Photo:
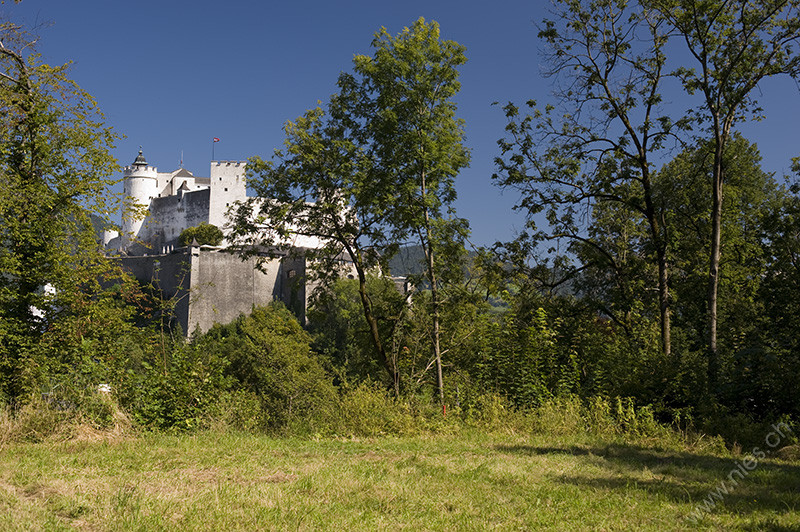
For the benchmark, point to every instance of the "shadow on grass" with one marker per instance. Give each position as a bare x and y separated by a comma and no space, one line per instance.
683,477
771,526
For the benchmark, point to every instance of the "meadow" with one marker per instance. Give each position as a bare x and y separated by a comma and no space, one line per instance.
462,479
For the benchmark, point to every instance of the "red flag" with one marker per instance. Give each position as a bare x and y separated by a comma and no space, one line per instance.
216,139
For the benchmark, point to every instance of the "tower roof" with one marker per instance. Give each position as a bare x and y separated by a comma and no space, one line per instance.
140,160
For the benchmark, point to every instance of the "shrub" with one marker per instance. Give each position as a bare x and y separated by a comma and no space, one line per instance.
368,410
269,355
174,387
65,413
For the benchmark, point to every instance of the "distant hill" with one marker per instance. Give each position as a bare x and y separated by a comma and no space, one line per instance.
409,260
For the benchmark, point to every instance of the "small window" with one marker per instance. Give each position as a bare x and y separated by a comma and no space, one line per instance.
290,274
226,190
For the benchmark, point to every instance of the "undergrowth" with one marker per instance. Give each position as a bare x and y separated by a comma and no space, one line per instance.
367,410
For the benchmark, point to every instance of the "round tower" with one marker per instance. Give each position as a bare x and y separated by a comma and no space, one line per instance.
139,187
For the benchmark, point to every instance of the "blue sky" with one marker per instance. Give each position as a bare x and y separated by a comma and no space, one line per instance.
171,75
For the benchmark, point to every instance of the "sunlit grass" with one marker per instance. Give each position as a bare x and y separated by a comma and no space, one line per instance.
466,481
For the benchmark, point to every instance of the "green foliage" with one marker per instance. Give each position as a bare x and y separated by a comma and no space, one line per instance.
341,333
368,410
684,186
589,158
734,47
409,117
55,164
205,234
599,416
173,387
269,355
374,167
522,361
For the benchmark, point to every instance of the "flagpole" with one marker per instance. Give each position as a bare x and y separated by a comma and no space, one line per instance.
212,149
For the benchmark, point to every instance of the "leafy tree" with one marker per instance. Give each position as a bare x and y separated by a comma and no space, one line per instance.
735,45
324,186
54,172
599,152
406,109
758,382
377,165
205,234
685,200
336,322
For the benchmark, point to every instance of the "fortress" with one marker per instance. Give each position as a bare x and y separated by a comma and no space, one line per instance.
208,284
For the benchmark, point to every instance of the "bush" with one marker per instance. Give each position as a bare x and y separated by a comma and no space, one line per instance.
269,355
65,414
368,410
237,410
174,386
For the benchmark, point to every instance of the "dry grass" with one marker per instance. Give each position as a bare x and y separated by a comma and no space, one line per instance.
38,421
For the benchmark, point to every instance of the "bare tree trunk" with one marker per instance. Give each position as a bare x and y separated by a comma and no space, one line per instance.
659,240
663,303
428,247
372,322
437,353
713,267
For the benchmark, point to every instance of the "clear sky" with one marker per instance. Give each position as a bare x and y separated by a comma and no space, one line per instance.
172,75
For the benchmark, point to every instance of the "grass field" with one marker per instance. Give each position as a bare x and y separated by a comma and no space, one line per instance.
470,480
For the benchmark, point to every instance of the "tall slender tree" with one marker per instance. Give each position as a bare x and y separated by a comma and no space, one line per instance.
373,170
324,186
409,115
735,45
609,61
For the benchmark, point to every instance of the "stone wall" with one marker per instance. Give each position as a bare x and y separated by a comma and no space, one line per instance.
210,286
171,274
170,215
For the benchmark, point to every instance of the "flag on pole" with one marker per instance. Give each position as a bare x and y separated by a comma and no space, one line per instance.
216,139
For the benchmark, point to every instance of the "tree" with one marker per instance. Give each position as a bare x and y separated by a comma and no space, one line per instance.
685,199
54,172
324,187
375,166
735,46
336,322
205,234
406,110
603,148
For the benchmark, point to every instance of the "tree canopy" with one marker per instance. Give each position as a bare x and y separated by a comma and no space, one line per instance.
55,170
